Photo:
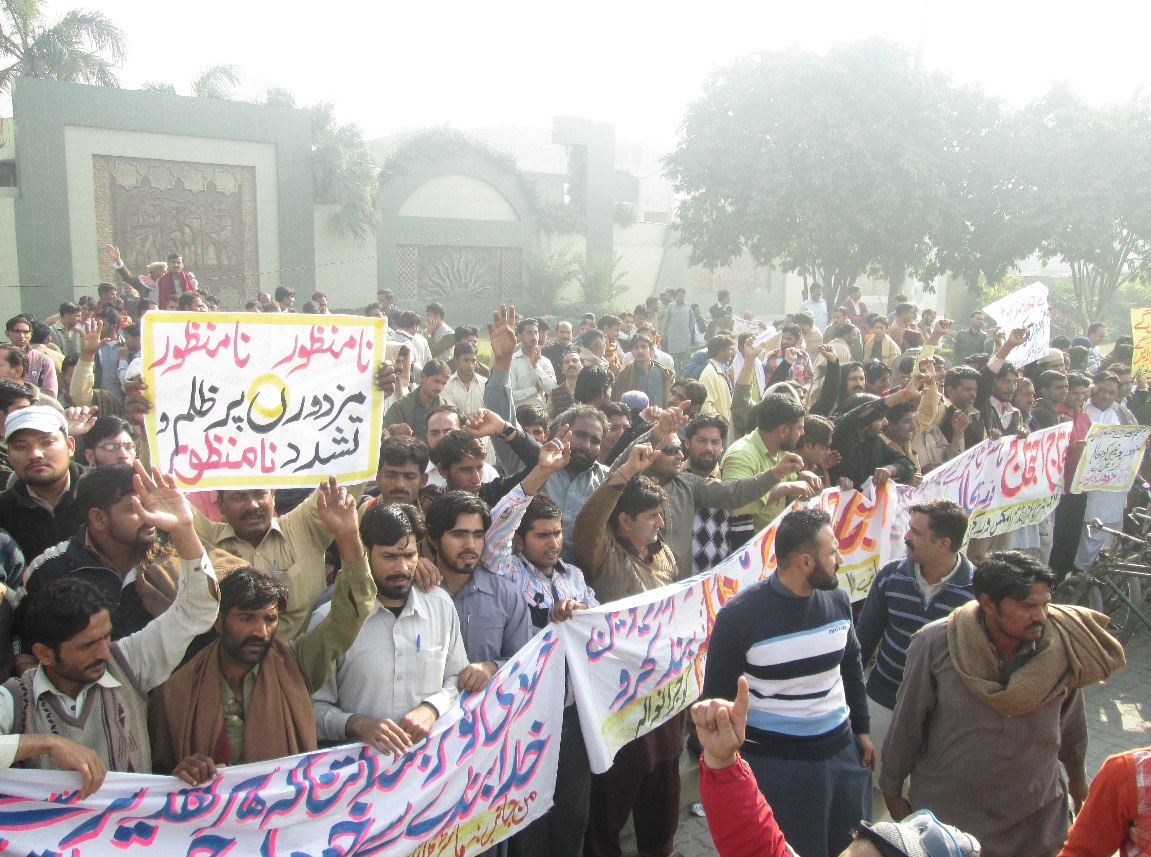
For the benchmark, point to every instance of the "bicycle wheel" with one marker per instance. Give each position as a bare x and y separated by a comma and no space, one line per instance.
1075,589
1109,599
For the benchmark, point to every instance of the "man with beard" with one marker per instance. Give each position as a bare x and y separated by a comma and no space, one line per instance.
401,673
115,551
571,486
494,618
689,494
989,722
791,637
198,718
290,548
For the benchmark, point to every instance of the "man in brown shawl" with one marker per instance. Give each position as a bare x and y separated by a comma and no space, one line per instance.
991,703
198,717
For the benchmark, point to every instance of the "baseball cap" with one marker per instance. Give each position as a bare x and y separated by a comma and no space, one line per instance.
38,417
921,834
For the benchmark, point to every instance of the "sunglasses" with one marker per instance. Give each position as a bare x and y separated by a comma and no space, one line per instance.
672,449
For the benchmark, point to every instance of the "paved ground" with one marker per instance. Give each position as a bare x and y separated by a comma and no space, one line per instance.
1118,717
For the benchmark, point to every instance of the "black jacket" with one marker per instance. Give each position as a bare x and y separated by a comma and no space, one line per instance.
73,559
36,528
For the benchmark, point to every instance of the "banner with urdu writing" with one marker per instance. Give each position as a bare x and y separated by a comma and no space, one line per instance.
487,770
244,400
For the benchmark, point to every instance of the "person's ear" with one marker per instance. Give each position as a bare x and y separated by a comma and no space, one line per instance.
97,520
44,654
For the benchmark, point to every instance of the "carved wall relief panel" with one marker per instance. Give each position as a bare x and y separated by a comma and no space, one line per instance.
204,212
438,273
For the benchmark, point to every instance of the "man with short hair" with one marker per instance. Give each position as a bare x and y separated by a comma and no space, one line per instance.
594,348
404,327
997,382
856,309
193,301
609,325
412,409
676,328
532,375
778,425
1051,389
618,545
441,338
401,673
903,329
320,300
40,509
563,396
959,419
89,689
465,388
716,376
791,351
459,460
688,395
973,340
554,351
108,442
199,716
403,471
571,486
290,547
174,281
931,581
991,703
41,371
1097,335
66,331
791,638
645,375
494,619
286,297
816,306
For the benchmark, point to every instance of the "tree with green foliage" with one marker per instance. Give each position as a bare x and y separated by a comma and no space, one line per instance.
82,47
218,81
548,271
833,167
1081,176
344,174
600,281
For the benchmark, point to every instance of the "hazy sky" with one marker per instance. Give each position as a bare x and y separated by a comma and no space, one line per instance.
391,66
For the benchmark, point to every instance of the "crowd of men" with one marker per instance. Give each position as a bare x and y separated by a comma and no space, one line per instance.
144,628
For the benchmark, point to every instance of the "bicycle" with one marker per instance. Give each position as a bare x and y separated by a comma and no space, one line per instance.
1113,584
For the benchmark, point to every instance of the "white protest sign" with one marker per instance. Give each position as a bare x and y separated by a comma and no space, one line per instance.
486,771
243,400
1002,484
1030,308
1111,459
748,325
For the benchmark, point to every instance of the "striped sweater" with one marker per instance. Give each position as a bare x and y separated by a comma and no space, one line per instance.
895,609
801,660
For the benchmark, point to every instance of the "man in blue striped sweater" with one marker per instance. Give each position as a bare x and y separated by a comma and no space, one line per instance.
927,584
808,739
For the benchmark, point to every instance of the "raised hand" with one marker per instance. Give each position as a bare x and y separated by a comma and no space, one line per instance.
136,401
484,423
959,422
336,509
790,355
1018,336
80,420
638,460
750,350
940,330
790,463
828,354
534,353
831,458
556,453
386,378
92,338
721,726
399,430
159,502
669,422
502,333
113,253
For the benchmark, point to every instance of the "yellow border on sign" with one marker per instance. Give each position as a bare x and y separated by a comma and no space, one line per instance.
378,326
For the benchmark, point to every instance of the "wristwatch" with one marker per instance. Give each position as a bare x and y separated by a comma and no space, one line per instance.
508,432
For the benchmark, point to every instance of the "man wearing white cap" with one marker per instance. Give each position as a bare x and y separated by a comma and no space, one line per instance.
39,510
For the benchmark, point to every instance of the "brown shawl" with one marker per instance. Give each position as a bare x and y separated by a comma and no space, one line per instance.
186,714
1074,651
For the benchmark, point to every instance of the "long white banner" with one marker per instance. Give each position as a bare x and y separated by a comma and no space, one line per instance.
487,769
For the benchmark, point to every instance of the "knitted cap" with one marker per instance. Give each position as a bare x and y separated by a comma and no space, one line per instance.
919,835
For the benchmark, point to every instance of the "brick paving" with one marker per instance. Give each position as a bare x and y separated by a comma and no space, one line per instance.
1118,719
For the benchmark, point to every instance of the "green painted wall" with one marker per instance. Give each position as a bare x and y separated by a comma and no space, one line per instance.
45,110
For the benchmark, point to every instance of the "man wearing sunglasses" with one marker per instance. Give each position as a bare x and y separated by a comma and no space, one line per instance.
686,491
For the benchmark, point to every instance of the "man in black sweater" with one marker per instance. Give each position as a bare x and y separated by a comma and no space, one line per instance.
39,510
